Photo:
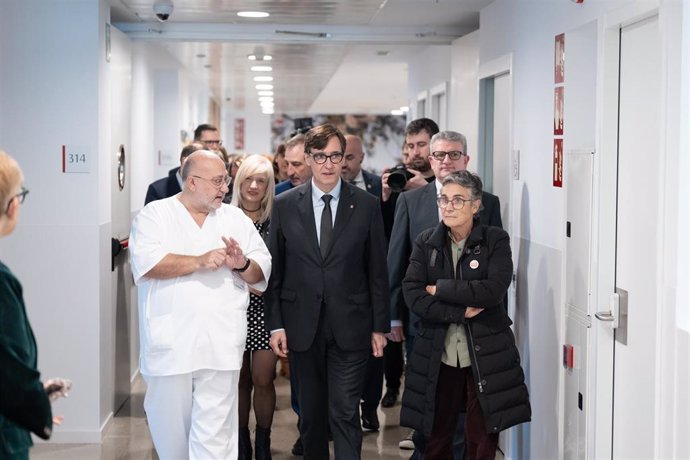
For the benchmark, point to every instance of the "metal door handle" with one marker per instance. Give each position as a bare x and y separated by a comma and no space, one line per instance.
610,316
604,316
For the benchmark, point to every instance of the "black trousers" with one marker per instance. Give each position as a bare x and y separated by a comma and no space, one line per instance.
373,382
393,364
329,391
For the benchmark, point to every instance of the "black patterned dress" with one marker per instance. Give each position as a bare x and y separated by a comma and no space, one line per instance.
258,336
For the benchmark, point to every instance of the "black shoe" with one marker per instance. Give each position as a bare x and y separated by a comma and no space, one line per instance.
244,448
370,420
389,398
298,448
263,443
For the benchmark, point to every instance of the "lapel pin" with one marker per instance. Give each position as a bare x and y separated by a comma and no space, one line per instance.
352,206
474,264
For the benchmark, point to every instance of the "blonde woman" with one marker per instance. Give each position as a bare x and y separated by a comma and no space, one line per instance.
253,193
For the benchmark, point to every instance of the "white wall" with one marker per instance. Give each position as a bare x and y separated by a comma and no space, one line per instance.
463,104
430,68
54,86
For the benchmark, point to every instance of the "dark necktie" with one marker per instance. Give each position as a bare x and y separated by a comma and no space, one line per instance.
326,225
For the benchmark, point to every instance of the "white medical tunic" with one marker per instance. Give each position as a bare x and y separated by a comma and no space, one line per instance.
196,321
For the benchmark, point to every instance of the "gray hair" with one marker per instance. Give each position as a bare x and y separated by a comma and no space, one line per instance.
450,136
468,180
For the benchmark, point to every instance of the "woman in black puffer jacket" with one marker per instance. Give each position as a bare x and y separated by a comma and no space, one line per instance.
464,353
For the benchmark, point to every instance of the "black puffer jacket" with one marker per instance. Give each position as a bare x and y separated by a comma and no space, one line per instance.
483,275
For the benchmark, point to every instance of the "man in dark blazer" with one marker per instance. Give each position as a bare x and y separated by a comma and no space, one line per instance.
416,210
171,185
298,170
326,301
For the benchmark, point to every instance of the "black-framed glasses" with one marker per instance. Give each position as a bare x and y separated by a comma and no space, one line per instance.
440,155
218,142
21,195
217,181
321,157
458,202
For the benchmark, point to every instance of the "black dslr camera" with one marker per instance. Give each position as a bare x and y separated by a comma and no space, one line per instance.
399,175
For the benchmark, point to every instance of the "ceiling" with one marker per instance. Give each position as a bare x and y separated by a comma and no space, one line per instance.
329,56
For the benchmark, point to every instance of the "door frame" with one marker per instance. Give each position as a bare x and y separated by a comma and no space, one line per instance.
488,71
600,443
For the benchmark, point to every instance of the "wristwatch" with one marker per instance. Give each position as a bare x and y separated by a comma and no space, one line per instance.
245,267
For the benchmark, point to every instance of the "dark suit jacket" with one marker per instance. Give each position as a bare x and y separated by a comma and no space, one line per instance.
349,286
283,186
416,211
163,188
372,183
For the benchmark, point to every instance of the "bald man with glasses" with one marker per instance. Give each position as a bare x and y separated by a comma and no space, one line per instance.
194,259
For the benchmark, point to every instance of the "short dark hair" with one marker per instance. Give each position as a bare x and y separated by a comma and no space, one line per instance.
201,128
318,137
472,182
422,124
189,149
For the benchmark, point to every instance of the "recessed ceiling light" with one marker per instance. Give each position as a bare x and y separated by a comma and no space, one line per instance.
266,104
208,66
265,93
268,112
404,109
201,55
266,99
396,112
252,14
261,68
263,78
264,86
260,57
383,53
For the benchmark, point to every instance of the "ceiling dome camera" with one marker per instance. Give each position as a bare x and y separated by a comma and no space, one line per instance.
163,9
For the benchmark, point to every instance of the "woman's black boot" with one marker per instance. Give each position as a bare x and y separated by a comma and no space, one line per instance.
244,448
263,443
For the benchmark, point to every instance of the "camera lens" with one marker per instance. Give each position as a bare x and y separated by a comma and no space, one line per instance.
397,180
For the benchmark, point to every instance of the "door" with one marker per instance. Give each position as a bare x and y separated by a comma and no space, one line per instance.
638,205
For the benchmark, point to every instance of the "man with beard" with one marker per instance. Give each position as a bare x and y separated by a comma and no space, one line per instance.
416,158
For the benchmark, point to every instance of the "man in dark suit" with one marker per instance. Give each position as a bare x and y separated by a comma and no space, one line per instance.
352,167
373,380
298,170
326,301
416,211
171,185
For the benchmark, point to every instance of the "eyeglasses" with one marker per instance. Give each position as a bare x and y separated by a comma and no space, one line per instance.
218,142
321,157
458,202
217,181
21,195
440,155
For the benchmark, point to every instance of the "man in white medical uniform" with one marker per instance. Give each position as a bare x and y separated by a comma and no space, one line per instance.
194,259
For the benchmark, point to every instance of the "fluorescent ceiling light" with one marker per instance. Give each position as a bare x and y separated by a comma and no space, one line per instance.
260,57
396,112
266,99
264,86
263,78
262,68
268,112
265,93
266,104
252,14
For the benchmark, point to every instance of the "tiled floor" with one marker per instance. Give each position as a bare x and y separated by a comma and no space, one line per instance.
127,436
